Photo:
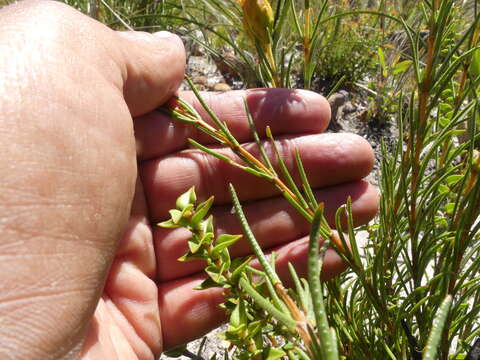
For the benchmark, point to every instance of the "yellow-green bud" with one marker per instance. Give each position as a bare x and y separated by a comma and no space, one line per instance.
257,19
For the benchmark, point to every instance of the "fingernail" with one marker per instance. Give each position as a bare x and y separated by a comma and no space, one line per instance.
163,34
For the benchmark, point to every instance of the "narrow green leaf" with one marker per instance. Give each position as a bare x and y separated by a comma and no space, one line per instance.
240,268
306,184
438,324
389,351
252,270
314,267
284,169
254,132
216,273
401,67
211,152
449,208
274,354
176,352
475,64
301,210
223,242
201,211
206,238
254,330
227,238
296,19
443,189
176,215
206,226
302,294
351,233
338,224
194,246
302,354
258,173
381,61
267,306
279,304
418,304
238,315
208,283
335,87
168,224
257,250
189,256
453,179
221,125
309,303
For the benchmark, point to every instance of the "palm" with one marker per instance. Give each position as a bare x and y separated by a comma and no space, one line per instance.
127,319
148,303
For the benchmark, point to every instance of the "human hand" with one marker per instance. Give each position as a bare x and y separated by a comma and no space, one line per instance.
75,281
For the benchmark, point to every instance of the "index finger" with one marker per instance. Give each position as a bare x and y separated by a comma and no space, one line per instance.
286,111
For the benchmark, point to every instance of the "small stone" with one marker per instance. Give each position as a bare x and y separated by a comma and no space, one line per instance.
221,87
200,80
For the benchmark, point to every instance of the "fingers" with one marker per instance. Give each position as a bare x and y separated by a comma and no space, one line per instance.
154,66
328,159
188,314
273,221
286,111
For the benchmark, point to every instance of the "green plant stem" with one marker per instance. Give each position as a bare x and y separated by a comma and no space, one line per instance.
273,66
438,324
297,314
416,145
462,227
184,112
251,238
315,261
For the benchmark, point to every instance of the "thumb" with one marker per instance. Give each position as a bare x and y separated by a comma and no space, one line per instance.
154,66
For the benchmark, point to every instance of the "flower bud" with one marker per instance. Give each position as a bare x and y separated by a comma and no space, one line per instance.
257,19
